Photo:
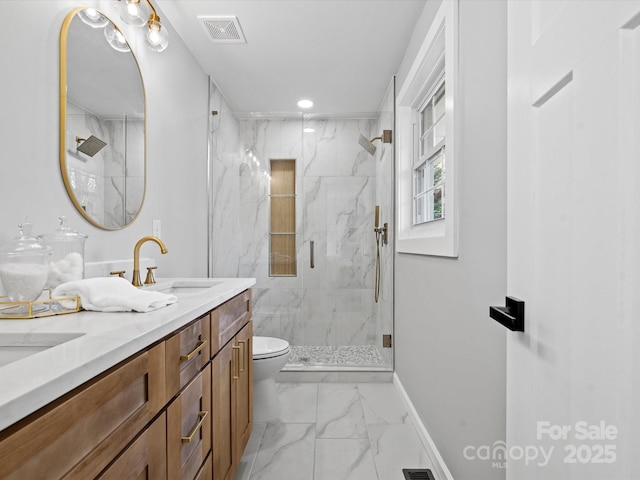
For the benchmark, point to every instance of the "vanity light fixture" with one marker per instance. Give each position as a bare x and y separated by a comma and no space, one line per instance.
140,13
157,38
133,12
93,18
116,38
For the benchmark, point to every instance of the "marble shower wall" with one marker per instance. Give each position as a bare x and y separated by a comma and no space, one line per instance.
331,304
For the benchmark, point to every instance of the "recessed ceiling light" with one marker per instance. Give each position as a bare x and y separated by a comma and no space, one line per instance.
308,130
304,103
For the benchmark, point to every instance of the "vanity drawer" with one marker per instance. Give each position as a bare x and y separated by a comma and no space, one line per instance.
189,428
187,352
79,434
228,319
145,458
206,472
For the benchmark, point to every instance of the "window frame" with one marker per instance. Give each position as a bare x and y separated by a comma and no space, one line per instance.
437,54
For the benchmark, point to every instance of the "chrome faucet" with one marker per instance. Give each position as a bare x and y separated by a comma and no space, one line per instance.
136,257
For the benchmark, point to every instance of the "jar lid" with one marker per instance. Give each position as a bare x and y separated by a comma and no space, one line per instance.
26,243
65,233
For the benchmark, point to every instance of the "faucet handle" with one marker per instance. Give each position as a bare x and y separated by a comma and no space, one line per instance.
119,273
150,279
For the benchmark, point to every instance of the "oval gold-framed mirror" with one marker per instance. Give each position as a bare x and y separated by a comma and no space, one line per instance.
102,120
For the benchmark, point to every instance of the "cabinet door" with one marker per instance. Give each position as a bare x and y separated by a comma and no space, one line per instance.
189,428
223,368
78,435
145,458
244,387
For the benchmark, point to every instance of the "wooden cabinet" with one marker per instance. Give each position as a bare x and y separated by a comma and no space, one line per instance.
232,381
181,409
78,435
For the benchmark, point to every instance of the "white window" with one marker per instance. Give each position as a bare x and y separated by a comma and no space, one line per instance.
426,125
429,165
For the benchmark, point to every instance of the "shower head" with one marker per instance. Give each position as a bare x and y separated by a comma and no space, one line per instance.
368,144
89,146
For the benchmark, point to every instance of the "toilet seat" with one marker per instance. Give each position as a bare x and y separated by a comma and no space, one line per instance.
269,347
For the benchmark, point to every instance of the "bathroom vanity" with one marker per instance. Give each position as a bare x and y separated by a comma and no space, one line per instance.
167,394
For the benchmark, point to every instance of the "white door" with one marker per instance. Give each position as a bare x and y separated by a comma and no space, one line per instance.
573,376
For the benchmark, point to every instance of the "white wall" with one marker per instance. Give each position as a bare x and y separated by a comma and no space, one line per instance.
450,356
30,182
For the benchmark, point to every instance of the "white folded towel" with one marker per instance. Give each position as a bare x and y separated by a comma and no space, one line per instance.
113,294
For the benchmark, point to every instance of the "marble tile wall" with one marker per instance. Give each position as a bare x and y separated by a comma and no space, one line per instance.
331,304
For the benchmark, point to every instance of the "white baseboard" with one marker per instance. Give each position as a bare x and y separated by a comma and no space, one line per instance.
441,470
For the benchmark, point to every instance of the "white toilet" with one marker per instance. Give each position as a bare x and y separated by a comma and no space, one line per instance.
269,356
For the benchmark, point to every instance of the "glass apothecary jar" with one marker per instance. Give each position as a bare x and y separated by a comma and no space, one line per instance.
67,255
24,266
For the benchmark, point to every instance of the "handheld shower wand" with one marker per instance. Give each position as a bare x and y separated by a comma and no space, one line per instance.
382,238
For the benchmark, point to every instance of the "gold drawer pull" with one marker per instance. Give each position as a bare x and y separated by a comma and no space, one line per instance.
241,355
235,348
200,345
192,433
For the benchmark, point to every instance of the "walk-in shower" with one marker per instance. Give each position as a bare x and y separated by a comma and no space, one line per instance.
315,214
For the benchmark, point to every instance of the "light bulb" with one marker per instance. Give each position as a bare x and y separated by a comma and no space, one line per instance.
93,18
157,38
116,39
133,12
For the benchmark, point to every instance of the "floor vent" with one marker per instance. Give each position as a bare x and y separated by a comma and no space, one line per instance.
417,474
223,29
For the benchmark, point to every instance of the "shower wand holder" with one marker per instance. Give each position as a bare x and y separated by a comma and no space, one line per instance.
384,231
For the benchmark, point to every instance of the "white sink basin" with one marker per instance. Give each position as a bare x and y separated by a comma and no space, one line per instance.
191,286
15,346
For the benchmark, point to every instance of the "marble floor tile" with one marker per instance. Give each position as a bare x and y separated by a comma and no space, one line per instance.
286,451
394,447
322,435
250,452
340,411
344,459
381,403
298,402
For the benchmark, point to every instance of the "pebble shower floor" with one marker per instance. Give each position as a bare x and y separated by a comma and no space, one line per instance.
343,356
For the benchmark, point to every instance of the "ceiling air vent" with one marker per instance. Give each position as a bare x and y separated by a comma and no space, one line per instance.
223,29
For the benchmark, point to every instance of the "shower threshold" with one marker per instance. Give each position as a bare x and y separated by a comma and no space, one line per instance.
356,357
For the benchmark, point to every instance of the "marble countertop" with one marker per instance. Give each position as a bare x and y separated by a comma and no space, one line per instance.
101,341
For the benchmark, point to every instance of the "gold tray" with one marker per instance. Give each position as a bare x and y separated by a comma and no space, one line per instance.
45,307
